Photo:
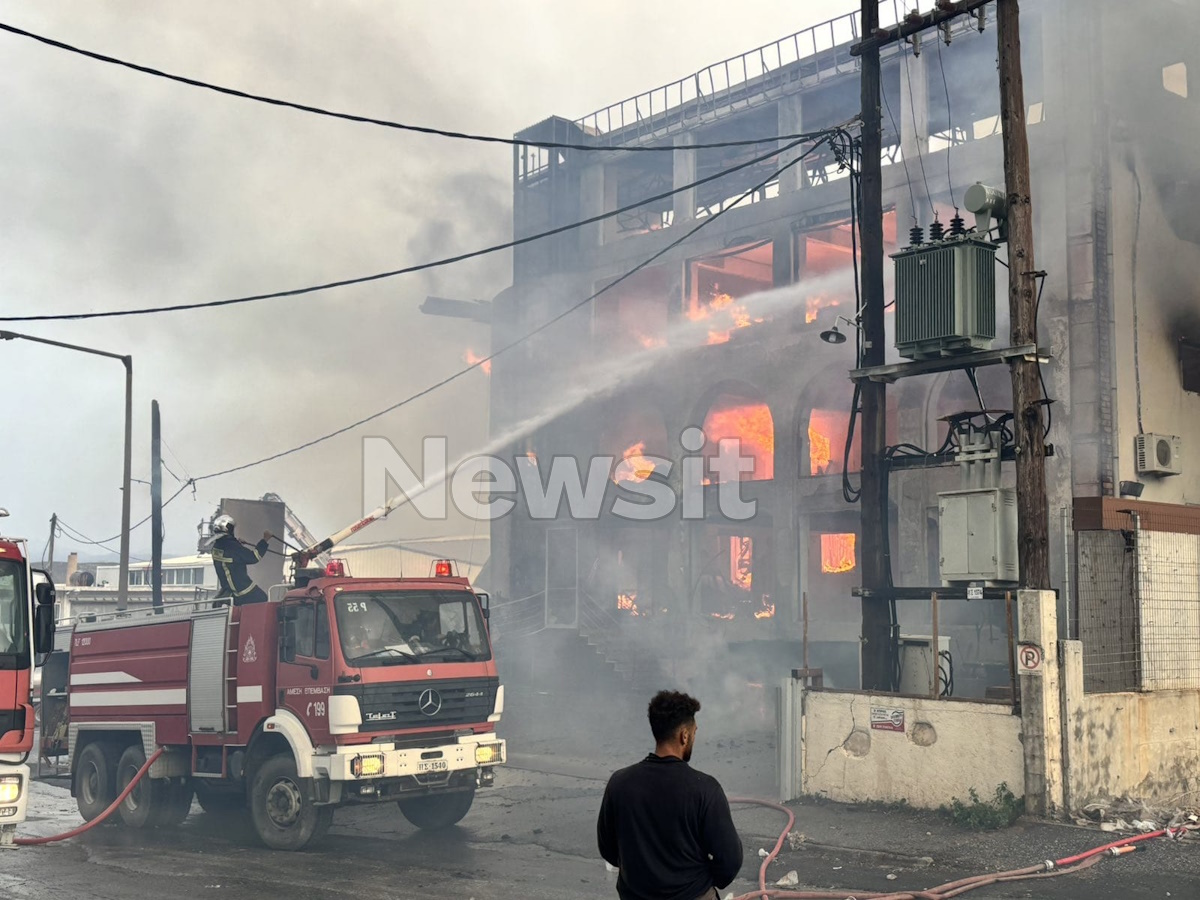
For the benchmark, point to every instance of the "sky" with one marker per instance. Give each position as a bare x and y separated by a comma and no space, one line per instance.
120,190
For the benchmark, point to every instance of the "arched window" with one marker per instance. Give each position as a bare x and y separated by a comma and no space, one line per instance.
746,418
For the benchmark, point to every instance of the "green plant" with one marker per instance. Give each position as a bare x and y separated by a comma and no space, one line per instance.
1000,812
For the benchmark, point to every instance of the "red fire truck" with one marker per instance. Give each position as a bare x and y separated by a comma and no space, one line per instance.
25,628
339,690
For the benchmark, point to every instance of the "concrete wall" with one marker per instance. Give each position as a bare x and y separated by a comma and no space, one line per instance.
946,748
1144,746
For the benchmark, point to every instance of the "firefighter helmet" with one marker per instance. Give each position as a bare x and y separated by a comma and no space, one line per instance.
223,525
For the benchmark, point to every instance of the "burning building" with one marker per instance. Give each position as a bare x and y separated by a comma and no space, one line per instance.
723,332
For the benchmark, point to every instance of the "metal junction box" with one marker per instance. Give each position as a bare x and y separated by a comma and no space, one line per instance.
945,297
977,533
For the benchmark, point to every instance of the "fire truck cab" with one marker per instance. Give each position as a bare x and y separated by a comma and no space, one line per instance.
26,628
337,691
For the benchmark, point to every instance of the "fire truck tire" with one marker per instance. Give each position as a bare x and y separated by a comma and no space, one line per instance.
435,811
177,803
218,801
284,815
95,778
148,803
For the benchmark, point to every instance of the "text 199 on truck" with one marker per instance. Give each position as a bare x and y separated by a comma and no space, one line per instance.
26,628
337,691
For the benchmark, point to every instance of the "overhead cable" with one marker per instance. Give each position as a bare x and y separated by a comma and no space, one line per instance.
424,392
384,123
419,267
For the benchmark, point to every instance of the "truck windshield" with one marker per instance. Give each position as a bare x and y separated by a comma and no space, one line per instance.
392,628
14,612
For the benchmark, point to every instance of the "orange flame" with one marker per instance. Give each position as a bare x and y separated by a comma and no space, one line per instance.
766,612
651,343
634,466
529,454
814,305
753,424
725,617
628,603
735,315
837,553
472,358
826,441
819,451
741,562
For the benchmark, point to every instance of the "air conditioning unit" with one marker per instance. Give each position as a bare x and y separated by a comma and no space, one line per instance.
1158,454
977,533
945,297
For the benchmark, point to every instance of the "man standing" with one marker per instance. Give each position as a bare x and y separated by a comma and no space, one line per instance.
230,558
664,825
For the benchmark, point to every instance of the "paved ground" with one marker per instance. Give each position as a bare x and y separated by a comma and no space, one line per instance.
532,837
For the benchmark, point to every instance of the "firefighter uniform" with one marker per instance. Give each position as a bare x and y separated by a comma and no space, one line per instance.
230,558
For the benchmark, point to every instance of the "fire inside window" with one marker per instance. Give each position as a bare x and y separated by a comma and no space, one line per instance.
634,466
741,562
837,553
718,284
752,424
827,442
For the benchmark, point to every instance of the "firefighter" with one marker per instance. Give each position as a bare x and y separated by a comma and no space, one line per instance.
230,558
665,826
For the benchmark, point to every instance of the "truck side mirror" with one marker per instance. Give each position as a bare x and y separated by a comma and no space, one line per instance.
43,624
485,601
45,594
287,641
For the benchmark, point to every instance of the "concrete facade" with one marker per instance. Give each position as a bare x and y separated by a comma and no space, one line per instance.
1144,746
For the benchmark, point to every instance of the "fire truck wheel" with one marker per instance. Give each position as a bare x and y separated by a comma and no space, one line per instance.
148,801
177,803
95,772
284,817
435,811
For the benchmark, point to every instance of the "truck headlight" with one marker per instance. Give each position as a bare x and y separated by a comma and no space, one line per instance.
366,766
486,754
10,788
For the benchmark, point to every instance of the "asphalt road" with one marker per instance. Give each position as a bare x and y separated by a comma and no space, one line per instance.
532,837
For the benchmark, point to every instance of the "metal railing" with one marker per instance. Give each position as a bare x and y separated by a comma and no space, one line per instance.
818,52
523,617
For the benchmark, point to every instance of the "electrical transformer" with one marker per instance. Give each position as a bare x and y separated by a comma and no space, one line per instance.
945,295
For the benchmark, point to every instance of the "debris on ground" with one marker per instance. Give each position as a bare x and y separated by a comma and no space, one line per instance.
791,879
795,840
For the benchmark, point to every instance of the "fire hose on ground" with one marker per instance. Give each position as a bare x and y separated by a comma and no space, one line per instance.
112,808
1049,869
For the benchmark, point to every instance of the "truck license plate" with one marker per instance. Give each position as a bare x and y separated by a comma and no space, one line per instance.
433,765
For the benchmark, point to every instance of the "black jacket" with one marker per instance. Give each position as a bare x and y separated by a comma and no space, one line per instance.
230,558
668,829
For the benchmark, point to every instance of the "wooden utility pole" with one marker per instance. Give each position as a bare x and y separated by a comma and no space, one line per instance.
1032,513
873,506
156,504
50,546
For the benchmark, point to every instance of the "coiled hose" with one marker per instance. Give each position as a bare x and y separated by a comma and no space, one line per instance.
112,808
1049,869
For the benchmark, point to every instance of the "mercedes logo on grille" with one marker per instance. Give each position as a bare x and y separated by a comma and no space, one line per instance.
430,702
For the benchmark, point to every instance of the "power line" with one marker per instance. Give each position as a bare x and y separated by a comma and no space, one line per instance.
912,104
949,126
369,120
912,195
420,267
101,543
424,392
84,539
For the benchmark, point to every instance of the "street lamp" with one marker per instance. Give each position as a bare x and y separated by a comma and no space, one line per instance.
127,361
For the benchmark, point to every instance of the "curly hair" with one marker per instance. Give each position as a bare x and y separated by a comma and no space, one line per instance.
669,710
